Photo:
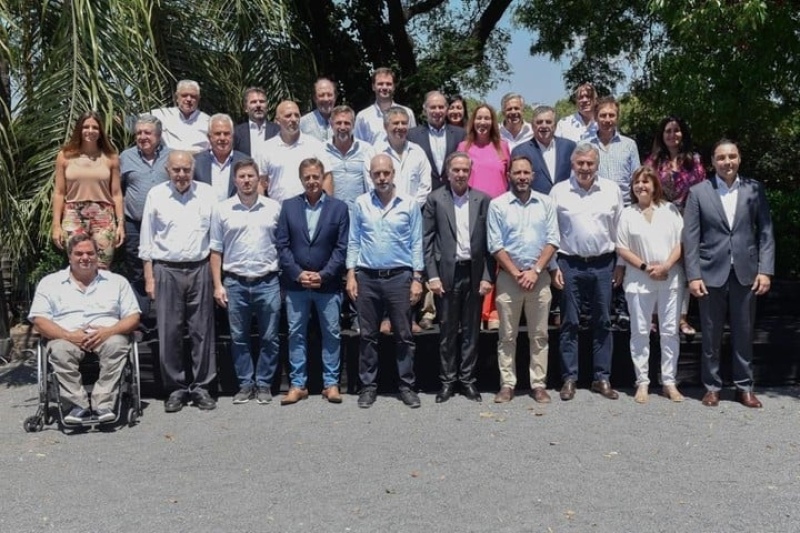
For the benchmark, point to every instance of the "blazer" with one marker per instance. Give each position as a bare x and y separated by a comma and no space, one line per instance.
452,136
439,237
542,180
241,135
324,252
202,168
709,242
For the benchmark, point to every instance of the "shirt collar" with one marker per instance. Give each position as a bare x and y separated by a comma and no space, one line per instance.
191,118
156,154
721,183
573,181
319,202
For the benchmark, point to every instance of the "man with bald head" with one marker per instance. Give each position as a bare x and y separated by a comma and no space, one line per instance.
184,126
215,165
437,138
384,276
174,246
317,123
279,158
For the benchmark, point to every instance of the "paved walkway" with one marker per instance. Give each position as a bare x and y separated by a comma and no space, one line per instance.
590,465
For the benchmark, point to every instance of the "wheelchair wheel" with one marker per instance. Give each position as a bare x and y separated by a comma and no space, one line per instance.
33,424
133,416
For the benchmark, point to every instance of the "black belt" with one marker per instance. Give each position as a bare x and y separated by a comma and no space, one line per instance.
589,259
181,264
251,279
464,263
384,272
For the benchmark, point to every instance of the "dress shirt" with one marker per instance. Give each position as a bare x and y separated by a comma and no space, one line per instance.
245,236
181,133
412,170
221,176
618,160
573,128
653,243
385,237
369,123
174,225
461,205
281,163
257,135
138,176
521,229
524,135
587,220
549,156
312,214
105,301
316,125
350,171
438,141
729,197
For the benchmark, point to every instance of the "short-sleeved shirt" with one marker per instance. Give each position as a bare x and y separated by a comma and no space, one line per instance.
245,236
280,162
139,176
182,133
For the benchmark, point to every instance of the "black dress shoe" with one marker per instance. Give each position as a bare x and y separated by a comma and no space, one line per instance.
367,397
470,392
410,398
203,400
445,394
175,402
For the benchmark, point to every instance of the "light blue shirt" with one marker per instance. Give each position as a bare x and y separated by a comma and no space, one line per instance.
312,213
522,229
139,176
316,125
350,171
385,237
618,160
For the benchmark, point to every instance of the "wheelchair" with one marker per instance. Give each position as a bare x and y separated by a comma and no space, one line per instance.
128,400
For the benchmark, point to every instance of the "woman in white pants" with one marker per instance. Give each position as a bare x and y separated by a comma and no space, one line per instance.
649,240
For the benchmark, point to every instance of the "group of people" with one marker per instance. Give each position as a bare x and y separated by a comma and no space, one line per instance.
481,219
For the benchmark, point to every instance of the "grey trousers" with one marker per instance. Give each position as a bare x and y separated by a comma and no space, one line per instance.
185,296
65,358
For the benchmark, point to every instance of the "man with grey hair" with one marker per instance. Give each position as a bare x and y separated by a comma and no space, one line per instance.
142,166
250,135
369,121
184,126
549,155
438,138
514,130
215,166
588,209
317,122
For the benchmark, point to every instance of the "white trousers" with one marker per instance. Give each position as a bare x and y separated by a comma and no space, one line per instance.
667,303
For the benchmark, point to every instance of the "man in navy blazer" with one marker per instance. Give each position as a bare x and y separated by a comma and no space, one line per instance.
549,155
215,166
438,139
729,256
312,247
257,125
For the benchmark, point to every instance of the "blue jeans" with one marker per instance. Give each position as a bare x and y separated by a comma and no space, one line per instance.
298,307
245,299
590,280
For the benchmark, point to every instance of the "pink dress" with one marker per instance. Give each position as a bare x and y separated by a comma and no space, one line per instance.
489,172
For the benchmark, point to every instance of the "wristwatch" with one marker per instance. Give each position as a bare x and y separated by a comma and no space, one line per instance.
537,269
417,278
643,267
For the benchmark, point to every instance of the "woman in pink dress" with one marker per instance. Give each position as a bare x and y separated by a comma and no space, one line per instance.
87,196
490,157
678,168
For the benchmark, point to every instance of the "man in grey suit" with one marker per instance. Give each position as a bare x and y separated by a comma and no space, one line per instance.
459,270
437,138
215,166
729,254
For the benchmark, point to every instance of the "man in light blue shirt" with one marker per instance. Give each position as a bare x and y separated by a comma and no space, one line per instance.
619,156
350,158
317,123
522,236
384,275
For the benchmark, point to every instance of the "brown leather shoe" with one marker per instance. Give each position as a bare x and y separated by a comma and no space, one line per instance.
294,395
567,390
539,395
603,388
505,395
332,394
748,399
711,398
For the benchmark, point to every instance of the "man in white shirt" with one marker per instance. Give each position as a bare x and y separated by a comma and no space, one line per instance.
174,246
184,127
317,123
588,209
244,269
514,130
580,126
369,121
280,157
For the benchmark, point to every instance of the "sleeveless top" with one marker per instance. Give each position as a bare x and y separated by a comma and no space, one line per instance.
88,180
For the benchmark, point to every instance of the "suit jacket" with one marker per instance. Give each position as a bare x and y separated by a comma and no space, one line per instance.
709,242
439,237
202,168
324,252
452,135
241,135
542,180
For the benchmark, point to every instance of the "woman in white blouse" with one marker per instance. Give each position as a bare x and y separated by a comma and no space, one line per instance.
649,240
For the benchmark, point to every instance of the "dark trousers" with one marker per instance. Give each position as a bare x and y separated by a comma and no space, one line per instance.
379,297
185,296
459,308
741,301
592,281
134,266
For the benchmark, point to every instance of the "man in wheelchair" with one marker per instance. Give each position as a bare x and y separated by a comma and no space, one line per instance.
83,310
